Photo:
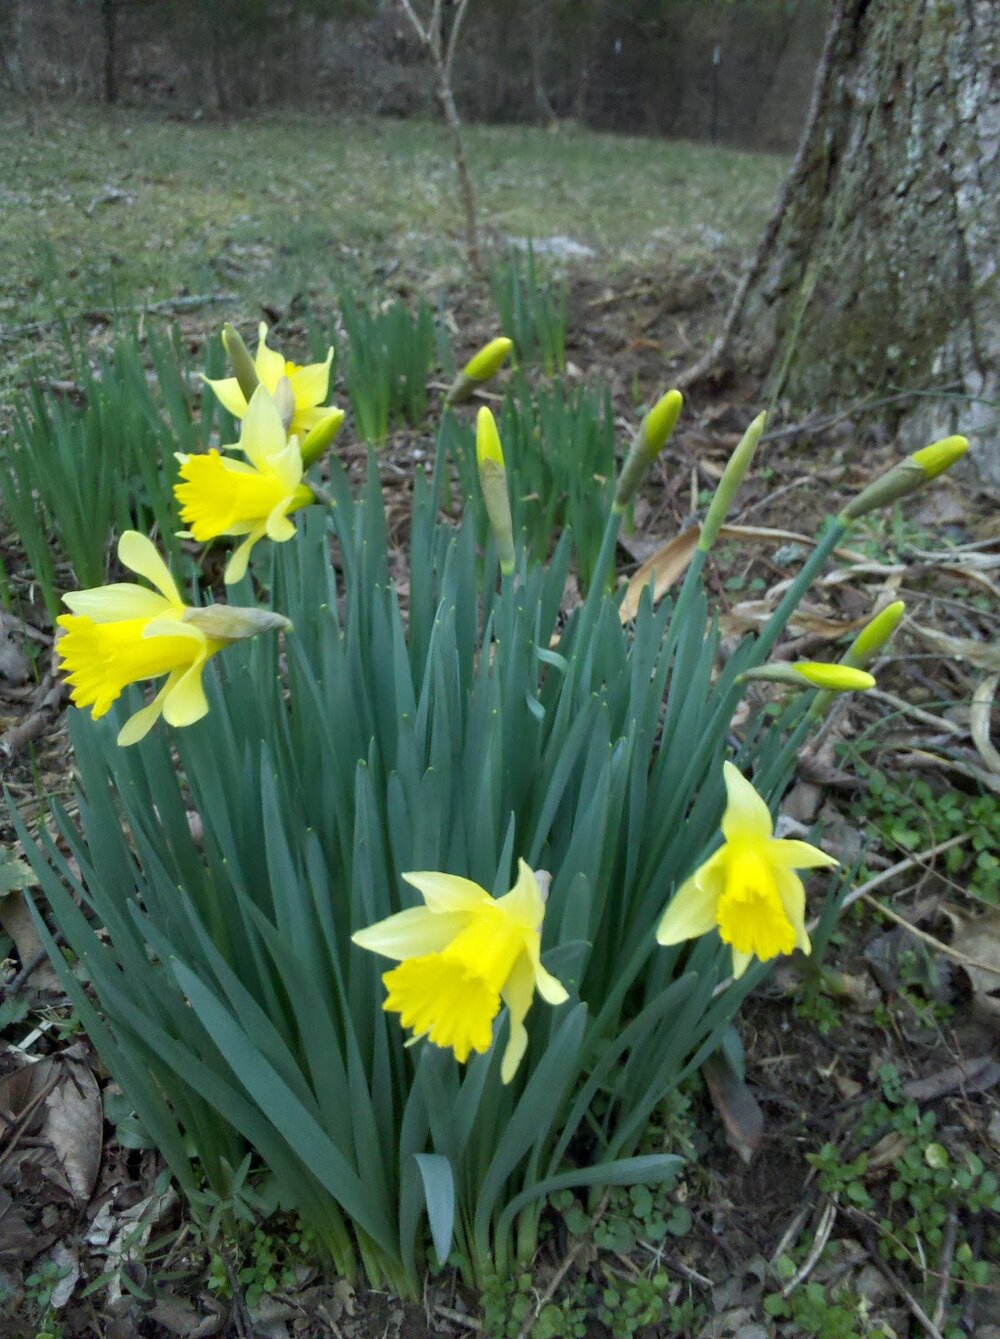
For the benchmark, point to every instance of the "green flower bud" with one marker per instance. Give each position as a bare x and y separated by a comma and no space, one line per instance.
728,485
242,364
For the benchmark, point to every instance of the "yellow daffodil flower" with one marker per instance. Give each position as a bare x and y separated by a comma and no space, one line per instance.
125,633
748,889
222,496
309,386
460,955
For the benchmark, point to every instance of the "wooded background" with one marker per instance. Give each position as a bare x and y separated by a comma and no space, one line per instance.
738,71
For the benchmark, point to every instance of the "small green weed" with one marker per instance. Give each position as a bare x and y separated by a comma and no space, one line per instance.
908,1183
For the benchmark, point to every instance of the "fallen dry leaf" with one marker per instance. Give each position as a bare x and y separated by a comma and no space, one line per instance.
977,939
736,1104
979,721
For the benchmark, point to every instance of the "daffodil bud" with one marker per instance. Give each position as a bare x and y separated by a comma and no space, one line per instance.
317,441
655,431
813,674
728,485
863,650
232,623
493,481
907,477
874,635
481,367
242,364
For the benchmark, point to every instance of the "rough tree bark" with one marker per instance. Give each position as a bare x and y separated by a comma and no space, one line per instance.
878,271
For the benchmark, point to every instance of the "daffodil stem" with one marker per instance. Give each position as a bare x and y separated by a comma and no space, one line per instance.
835,532
603,570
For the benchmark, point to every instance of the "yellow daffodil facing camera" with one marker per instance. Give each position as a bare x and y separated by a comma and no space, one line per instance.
125,633
309,385
748,889
460,955
222,496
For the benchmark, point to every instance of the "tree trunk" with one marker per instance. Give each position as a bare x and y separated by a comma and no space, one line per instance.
878,273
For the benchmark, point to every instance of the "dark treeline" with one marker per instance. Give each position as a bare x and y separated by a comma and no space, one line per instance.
735,70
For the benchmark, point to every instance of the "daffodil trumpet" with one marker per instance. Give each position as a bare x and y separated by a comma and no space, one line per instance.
126,633
222,496
307,385
748,889
462,955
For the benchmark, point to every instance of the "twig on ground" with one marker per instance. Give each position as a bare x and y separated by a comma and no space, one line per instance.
918,713
929,939
948,1239
823,1230
871,1246
16,983
920,861
571,1258
460,1318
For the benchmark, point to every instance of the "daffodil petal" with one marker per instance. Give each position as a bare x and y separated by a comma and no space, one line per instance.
747,817
263,435
279,527
447,892
549,987
517,994
112,604
411,933
139,725
524,901
786,854
793,899
269,363
139,555
169,625
239,559
228,393
186,703
741,961
690,913
287,465
311,383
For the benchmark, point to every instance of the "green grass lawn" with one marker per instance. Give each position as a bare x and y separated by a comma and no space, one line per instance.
99,208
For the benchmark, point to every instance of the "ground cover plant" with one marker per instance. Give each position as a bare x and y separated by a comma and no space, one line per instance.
480,739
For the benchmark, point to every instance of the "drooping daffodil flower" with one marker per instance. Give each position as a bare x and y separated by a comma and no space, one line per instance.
309,386
222,496
126,633
461,955
748,889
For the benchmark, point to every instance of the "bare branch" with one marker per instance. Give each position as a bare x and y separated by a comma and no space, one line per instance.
411,14
453,38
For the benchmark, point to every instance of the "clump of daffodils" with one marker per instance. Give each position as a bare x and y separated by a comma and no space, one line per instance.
474,732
